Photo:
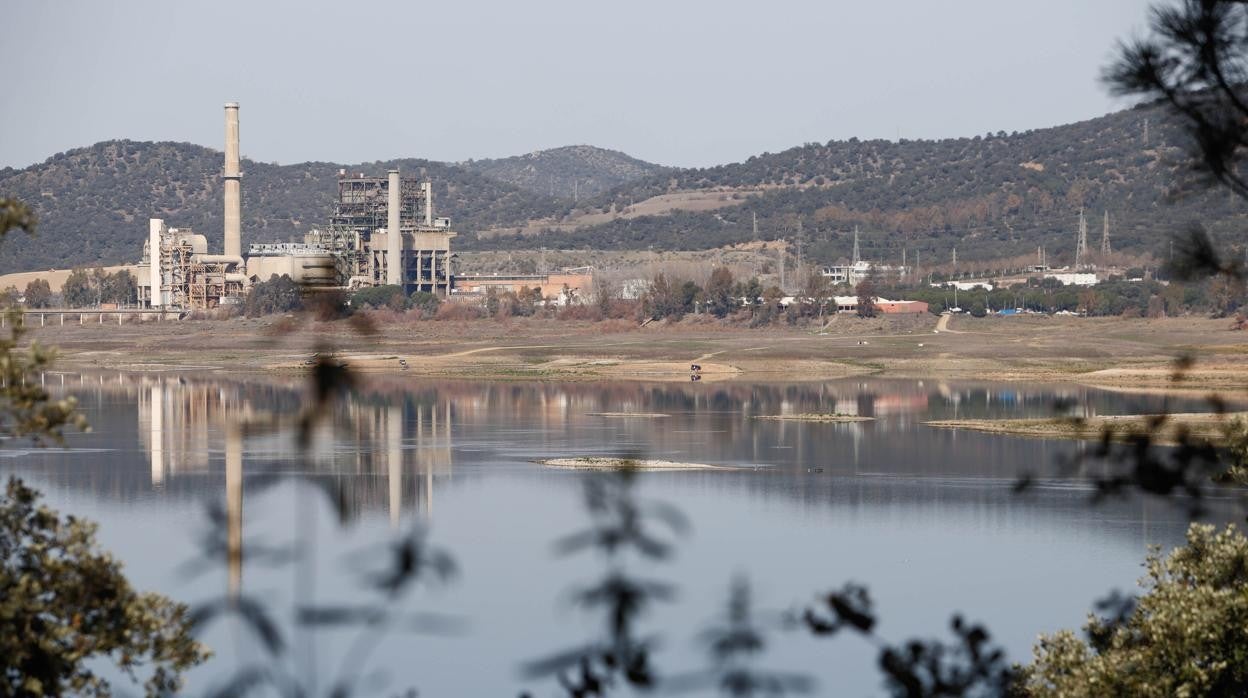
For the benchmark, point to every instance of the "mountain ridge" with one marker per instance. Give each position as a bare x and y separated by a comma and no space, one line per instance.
569,172
998,195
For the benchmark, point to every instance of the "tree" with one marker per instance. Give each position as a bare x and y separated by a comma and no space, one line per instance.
719,298
425,302
38,294
380,296
1186,636
866,298
280,294
9,297
1156,307
1225,295
663,299
492,302
817,291
119,287
67,605
606,292
99,282
690,296
77,291
1194,63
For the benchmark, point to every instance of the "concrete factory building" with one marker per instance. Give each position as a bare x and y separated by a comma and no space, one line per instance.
566,287
382,231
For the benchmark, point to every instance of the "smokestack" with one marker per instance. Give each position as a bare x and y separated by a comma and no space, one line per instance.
154,228
233,184
394,243
428,187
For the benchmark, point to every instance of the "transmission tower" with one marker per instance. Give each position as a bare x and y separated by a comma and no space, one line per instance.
755,226
799,246
782,249
1105,238
1081,247
857,257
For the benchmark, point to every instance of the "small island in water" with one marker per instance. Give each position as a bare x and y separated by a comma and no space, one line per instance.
641,465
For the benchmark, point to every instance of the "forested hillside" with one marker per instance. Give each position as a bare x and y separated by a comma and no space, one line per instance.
93,203
993,196
571,173
988,196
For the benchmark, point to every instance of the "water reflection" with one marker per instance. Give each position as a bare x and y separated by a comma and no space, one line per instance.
408,433
925,516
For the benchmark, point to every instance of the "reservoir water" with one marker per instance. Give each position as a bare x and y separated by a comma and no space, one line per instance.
926,518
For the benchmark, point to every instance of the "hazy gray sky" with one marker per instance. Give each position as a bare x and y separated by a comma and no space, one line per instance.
679,83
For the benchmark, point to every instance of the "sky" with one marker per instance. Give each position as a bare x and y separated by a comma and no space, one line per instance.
682,83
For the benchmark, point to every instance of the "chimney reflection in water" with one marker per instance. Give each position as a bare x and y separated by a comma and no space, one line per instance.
234,505
394,460
156,407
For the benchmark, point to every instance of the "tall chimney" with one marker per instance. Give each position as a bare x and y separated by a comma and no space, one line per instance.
233,184
394,241
155,227
428,187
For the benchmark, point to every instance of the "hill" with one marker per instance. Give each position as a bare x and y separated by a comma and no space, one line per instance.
569,173
993,196
93,203
990,196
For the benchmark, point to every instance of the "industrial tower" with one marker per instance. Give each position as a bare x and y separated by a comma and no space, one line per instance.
1105,238
1081,247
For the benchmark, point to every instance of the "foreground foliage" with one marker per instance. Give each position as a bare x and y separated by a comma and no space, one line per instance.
66,603
26,409
1187,636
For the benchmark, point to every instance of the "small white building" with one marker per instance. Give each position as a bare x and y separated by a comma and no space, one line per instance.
1074,278
855,273
965,285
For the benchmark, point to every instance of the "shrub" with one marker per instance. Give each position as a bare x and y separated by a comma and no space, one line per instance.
280,294
580,312
379,297
424,302
1187,636
458,311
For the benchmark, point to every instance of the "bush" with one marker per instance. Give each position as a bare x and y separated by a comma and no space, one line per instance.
1187,636
380,297
580,312
424,302
458,311
280,294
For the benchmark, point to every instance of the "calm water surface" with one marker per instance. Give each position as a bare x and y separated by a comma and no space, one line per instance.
925,517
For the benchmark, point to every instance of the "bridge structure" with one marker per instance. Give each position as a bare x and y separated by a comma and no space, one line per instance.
57,315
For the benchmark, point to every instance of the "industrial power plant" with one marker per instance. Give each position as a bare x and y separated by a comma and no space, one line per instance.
381,231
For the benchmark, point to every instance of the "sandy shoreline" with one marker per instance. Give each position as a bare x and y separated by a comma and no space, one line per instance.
820,418
1121,427
1127,354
